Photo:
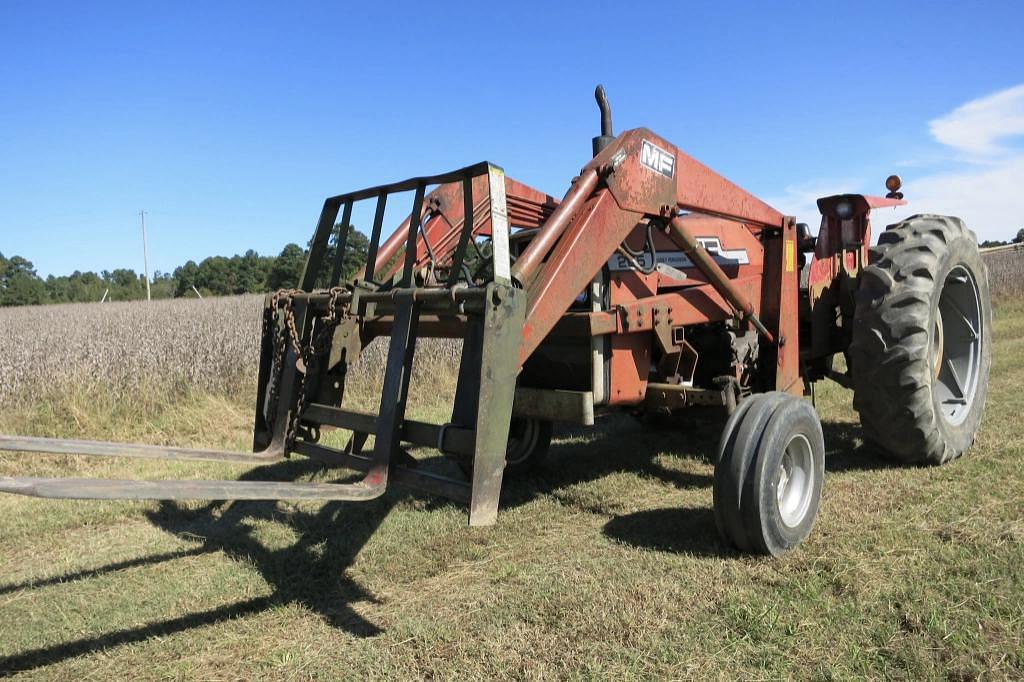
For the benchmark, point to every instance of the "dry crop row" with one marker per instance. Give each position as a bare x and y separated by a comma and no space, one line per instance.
210,345
163,346
1006,272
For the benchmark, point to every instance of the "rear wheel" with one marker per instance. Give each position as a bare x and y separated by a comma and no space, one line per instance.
528,442
921,347
769,474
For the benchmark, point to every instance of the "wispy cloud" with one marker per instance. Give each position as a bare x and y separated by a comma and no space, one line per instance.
980,126
985,187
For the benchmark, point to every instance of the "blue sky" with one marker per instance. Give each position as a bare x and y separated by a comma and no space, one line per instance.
229,123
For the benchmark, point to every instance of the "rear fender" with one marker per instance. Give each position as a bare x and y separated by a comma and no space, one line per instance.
840,253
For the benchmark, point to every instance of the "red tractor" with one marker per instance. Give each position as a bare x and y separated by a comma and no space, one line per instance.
653,285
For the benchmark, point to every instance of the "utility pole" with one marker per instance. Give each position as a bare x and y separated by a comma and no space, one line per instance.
145,253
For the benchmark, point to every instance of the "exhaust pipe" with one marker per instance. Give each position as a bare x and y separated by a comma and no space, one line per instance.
606,137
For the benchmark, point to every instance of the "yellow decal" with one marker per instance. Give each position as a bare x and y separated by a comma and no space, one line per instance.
790,256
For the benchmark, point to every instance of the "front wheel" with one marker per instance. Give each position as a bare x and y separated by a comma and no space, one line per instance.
769,474
528,441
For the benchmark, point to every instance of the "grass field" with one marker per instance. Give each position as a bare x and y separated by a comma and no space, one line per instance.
607,564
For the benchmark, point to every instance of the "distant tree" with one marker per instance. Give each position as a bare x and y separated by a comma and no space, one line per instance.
124,285
215,276
185,277
287,268
1019,239
162,285
19,283
357,245
355,254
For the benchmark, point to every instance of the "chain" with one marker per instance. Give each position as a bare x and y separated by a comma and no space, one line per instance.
308,355
280,345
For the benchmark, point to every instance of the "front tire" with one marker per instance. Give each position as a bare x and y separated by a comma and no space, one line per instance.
528,441
769,474
921,346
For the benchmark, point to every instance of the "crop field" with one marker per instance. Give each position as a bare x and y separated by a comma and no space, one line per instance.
1006,272
604,564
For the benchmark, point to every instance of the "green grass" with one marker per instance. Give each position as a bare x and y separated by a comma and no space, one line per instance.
605,565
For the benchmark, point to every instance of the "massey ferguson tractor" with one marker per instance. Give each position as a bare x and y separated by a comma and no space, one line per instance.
654,285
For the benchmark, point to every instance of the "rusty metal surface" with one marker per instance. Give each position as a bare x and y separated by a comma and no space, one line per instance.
503,321
572,407
529,261
674,396
690,185
455,212
579,255
680,233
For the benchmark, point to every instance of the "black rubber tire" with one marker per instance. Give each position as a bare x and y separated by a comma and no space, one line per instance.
892,359
521,459
749,467
732,462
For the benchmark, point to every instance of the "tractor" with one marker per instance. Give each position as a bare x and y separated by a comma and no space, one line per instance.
654,286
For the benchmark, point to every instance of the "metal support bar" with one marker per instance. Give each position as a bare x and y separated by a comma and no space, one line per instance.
503,323
573,407
339,255
396,384
412,479
415,218
439,296
466,234
680,234
319,244
107,489
500,254
60,446
378,221
529,262
457,440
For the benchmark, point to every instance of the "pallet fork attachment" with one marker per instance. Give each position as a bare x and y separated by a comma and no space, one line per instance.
301,377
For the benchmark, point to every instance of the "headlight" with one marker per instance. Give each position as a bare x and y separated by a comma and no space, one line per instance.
844,209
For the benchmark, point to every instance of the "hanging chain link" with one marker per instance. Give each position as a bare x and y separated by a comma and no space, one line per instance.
308,356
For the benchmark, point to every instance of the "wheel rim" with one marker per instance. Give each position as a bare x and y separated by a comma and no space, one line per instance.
796,481
522,440
957,345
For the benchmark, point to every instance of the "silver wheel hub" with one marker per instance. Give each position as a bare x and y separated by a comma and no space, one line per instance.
796,481
956,346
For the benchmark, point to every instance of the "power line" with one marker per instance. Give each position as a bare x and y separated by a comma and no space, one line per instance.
145,253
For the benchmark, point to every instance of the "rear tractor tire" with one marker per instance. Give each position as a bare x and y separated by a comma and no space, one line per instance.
921,347
769,474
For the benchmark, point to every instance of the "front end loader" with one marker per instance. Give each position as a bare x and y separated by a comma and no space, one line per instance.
654,285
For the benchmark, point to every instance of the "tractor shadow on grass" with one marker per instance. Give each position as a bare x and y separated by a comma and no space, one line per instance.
846,450
692,530
312,570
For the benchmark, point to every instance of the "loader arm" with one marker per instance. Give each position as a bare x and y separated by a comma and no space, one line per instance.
640,176
443,217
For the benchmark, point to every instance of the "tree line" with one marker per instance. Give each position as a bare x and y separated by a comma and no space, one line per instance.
1019,239
249,273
